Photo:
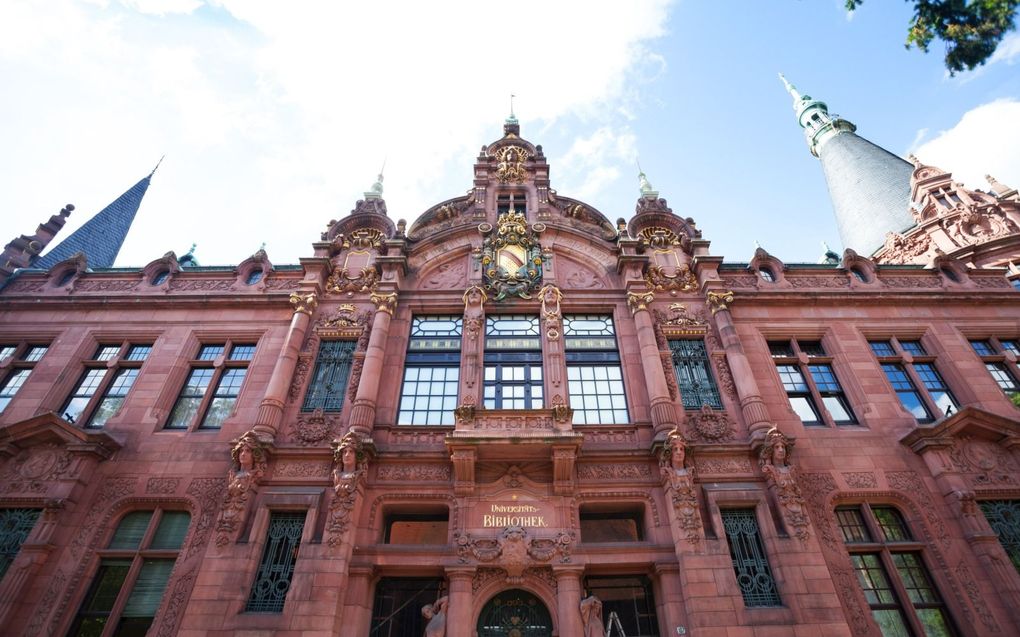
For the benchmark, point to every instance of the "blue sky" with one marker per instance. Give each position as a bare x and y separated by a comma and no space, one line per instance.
275,117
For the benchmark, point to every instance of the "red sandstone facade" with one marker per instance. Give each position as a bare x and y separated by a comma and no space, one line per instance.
515,505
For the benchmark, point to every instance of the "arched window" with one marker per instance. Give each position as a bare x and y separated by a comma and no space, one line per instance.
134,569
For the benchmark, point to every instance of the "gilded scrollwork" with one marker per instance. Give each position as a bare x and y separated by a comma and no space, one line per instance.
304,302
510,164
639,301
511,257
718,301
385,302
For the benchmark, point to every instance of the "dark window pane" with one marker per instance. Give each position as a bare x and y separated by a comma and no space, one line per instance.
620,526
882,348
851,524
983,348
328,386
131,530
812,348
418,529
15,525
781,349
913,347
751,566
630,598
693,374
209,352
894,528
1004,518
396,611
269,591
147,592
1002,376
173,526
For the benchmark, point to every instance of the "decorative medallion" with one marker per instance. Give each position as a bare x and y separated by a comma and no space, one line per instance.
511,257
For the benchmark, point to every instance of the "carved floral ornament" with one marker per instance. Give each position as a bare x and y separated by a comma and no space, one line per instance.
514,550
385,302
344,323
680,321
719,301
511,256
639,301
510,167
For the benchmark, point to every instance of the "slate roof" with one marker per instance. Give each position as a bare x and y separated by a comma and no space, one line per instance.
101,237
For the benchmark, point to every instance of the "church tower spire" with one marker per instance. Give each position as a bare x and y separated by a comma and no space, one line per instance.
869,186
101,237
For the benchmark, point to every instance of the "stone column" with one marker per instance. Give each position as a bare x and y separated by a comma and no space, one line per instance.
671,615
460,611
473,347
568,599
664,411
356,618
751,404
271,408
363,411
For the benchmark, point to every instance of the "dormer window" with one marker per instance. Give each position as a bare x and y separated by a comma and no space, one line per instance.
766,274
161,277
516,202
254,277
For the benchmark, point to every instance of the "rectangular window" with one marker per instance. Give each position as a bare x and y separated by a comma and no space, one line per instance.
132,574
328,386
104,386
513,363
693,374
594,375
269,591
628,605
214,381
428,395
894,579
15,525
396,610
20,368
812,388
751,566
1003,368
907,377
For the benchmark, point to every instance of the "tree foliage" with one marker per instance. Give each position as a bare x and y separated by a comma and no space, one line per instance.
971,29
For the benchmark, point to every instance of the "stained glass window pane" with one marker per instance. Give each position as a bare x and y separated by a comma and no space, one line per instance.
15,525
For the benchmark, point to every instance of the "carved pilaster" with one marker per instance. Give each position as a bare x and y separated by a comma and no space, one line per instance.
248,464
350,467
782,481
463,470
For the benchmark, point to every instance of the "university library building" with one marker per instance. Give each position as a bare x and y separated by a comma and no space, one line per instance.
517,417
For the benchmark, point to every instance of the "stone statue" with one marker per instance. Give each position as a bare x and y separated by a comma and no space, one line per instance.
436,615
680,481
773,460
591,617
248,464
348,464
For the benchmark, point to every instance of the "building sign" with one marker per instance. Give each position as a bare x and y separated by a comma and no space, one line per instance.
501,513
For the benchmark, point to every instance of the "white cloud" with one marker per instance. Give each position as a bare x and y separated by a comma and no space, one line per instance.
1008,50
276,116
984,141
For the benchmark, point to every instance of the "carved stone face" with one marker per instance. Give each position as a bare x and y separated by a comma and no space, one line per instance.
245,459
779,453
349,458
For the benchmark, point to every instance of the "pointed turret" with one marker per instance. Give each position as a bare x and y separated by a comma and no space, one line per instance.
101,237
869,186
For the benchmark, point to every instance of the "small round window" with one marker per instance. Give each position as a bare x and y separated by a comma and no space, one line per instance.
951,274
161,277
254,277
66,278
767,274
859,275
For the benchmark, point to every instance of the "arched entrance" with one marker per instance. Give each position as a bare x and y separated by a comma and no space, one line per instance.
515,613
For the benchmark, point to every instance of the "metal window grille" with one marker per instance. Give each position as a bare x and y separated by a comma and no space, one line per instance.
697,388
269,591
15,525
332,371
754,577
1004,518
396,611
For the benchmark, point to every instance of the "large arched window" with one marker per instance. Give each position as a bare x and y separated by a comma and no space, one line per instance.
133,572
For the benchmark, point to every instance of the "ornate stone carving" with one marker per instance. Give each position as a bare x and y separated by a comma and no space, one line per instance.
710,466
105,285
162,486
350,467
818,281
818,486
710,425
385,302
248,458
181,284
360,239
910,484
301,469
682,279
415,473
344,323
512,257
312,428
435,613
974,226
177,597
514,550
112,490
860,480
303,302
446,276
718,301
344,281
580,277
35,468
740,281
207,492
591,617
512,421
678,480
772,459
613,471
902,249
849,593
680,319
562,412
917,281
551,297
611,436
510,168
639,301
301,369
465,413
986,462
976,598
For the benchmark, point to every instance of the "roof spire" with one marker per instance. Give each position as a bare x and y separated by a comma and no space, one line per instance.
513,118
101,237
511,127
791,89
377,187
646,186
157,165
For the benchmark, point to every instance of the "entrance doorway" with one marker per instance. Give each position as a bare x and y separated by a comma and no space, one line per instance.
515,613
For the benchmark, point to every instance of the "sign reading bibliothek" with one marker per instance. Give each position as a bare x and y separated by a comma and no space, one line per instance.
503,512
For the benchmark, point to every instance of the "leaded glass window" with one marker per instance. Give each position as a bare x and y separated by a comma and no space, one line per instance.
328,386
134,570
15,525
694,375
513,363
750,564
594,375
104,386
1004,518
276,569
1003,368
911,371
210,393
428,395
